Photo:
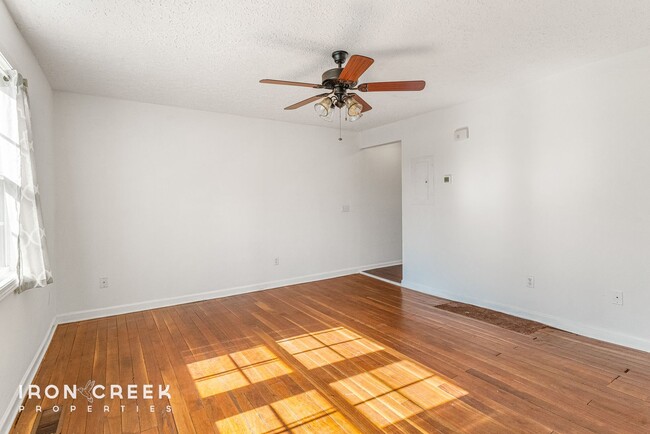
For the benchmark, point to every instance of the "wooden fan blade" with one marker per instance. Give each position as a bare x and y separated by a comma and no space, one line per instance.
392,86
356,66
306,101
366,106
291,83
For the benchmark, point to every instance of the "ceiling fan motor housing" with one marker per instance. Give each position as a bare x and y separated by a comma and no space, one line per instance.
331,79
331,76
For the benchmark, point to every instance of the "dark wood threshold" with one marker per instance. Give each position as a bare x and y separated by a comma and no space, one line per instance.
392,273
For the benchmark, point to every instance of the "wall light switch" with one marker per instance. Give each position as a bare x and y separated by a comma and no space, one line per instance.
345,208
447,179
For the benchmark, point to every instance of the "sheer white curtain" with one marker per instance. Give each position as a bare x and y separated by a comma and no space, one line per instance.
25,249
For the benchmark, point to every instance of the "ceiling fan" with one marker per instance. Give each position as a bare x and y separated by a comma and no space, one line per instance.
339,81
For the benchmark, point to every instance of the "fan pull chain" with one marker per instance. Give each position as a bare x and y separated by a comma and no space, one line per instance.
340,125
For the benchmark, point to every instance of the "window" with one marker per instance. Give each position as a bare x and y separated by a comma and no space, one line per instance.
9,184
24,262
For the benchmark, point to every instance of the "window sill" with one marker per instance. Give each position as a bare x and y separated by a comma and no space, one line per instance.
8,283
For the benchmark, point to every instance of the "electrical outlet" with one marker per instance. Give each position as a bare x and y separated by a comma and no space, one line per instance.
277,261
103,282
617,298
530,281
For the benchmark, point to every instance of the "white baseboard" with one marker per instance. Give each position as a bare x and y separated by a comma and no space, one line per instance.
11,411
190,298
553,321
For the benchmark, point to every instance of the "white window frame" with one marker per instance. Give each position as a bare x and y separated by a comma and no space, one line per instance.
8,276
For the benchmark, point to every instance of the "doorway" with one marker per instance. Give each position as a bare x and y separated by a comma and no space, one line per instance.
381,197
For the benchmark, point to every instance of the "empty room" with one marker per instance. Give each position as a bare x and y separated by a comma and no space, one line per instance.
357,216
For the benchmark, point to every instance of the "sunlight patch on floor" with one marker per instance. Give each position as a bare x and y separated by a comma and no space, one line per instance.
394,392
326,347
387,389
238,369
385,395
306,412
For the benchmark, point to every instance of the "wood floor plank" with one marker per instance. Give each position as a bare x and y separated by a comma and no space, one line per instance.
146,418
96,424
164,420
131,418
113,418
351,354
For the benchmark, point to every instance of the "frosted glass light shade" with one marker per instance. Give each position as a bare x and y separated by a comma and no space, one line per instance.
354,108
323,107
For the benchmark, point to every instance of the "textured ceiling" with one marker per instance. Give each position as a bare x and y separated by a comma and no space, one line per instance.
210,55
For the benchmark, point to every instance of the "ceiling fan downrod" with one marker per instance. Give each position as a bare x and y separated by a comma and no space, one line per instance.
340,57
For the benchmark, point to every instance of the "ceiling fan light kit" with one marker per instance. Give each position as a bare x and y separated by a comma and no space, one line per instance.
323,107
354,108
339,81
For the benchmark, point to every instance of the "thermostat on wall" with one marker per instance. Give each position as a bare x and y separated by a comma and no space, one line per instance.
461,134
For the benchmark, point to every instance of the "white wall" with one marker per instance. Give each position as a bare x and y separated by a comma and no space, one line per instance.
553,182
381,200
169,203
25,319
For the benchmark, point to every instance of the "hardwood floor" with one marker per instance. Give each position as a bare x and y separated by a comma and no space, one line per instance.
351,354
392,273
